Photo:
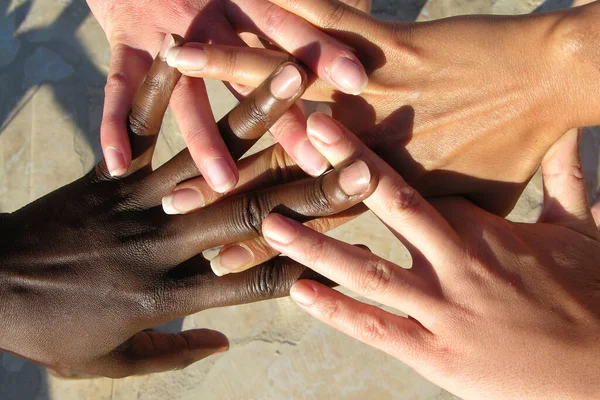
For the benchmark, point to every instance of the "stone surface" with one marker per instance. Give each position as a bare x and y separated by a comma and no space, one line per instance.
53,64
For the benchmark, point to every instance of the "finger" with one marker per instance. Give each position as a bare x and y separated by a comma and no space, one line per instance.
269,167
268,280
412,219
240,128
240,217
596,213
565,197
239,257
400,337
351,267
331,60
235,64
206,146
127,70
149,106
240,65
336,17
255,172
149,352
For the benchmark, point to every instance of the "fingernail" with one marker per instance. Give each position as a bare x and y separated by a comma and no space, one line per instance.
280,229
220,174
286,83
303,293
324,108
310,159
182,201
355,178
187,58
323,129
230,259
348,76
115,162
167,45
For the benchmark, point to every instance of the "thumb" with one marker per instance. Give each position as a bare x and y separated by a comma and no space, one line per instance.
565,198
149,351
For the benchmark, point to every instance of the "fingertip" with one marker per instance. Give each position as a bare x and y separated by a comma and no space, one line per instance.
303,292
115,161
220,175
323,130
279,229
309,158
348,76
355,179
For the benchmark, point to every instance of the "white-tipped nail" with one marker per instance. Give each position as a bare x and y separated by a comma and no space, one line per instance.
215,265
167,45
167,205
172,56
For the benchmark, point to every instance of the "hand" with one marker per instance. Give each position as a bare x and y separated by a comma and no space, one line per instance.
497,309
87,269
135,29
465,105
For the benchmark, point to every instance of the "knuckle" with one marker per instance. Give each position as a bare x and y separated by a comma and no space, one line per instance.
139,122
405,200
193,135
315,194
315,250
332,17
376,277
373,328
253,117
266,281
231,65
115,83
255,208
275,18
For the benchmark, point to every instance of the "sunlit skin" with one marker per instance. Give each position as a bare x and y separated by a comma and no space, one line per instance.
87,269
466,105
498,310
135,30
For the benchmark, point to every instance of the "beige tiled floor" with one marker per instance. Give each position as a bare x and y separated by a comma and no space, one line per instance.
52,68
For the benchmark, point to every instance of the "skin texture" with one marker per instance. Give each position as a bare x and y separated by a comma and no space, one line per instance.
480,134
497,310
135,31
87,269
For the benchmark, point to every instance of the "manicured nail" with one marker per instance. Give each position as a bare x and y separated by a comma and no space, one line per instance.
230,259
191,58
220,174
348,76
286,83
167,45
115,162
355,178
323,129
280,229
303,293
182,201
310,159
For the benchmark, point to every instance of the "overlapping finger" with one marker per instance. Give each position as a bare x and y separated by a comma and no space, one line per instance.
354,268
240,217
399,206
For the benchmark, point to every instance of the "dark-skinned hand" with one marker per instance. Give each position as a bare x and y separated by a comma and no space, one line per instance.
86,270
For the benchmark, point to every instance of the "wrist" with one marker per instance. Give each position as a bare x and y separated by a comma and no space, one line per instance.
575,38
